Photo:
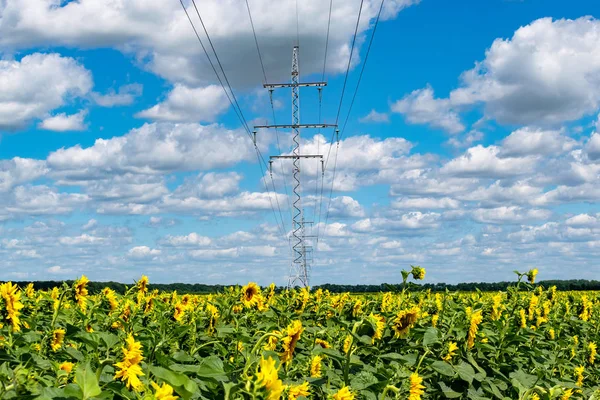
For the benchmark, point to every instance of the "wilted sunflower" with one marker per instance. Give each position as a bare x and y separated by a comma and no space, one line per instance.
404,321
418,272
293,332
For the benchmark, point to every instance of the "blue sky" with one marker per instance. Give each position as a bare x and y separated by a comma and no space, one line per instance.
472,147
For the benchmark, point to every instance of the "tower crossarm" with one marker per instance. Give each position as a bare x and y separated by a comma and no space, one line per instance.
300,156
295,126
299,84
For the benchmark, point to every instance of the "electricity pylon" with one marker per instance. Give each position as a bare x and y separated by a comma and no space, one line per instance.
299,270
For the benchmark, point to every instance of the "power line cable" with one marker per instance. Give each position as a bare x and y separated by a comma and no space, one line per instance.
237,110
271,101
318,142
362,68
220,65
345,78
351,104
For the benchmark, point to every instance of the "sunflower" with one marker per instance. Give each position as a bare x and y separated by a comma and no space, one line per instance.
267,377
293,332
111,297
567,394
531,274
179,312
66,366
579,375
404,321
315,366
250,295
416,386
343,394
323,343
497,306
475,320
142,284
164,392
12,304
298,390
379,324
58,336
592,347
418,272
81,292
130,369
452,347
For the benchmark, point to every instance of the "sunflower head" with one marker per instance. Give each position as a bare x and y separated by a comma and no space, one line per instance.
418,272
405,319
250,294
531,274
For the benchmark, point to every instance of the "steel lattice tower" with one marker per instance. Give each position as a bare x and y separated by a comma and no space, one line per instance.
299,270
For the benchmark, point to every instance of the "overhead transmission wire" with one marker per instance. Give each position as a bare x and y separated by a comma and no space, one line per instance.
318,141
353,97
237,110
338,114
262,65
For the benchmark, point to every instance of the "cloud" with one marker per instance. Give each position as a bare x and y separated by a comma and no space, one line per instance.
583,220
547,73
125,96
425,203
41,200
375,116
142,253
38,84
20,170
535,141
211,185
58,270
421,107
592,147
193,239
159,35
509,214
155,149
480,161
63,122
81,240
184,104
466,141
344,207
91,224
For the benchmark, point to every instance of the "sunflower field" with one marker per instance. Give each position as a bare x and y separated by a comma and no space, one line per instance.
528,342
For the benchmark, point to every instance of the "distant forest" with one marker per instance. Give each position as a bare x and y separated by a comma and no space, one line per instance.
199,288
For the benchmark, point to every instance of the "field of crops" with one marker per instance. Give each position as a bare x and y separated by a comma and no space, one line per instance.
251,343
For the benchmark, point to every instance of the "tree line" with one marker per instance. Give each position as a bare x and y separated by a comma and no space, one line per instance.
199,288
